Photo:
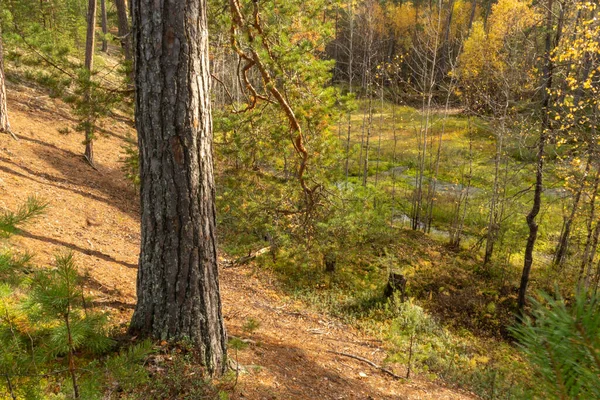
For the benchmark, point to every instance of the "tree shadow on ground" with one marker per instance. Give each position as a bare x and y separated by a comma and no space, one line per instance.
73,247
53,181
50,110
294,374
76,172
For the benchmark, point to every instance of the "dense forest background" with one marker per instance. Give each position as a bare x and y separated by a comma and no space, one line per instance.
427,171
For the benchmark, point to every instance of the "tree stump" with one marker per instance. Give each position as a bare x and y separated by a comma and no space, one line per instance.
329,260
396,283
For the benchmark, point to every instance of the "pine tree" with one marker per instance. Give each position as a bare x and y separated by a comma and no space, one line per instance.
44,316
89,66
178,283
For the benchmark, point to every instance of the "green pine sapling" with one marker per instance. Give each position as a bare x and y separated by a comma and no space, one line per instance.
562,341
59,306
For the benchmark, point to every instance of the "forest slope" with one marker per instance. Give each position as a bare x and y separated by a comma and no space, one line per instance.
94,214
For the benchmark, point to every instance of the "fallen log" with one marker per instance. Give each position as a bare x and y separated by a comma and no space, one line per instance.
246,259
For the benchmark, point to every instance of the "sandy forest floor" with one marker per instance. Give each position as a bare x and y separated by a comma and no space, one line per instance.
94,214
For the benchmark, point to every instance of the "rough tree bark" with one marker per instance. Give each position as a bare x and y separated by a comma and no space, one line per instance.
89,66
178,283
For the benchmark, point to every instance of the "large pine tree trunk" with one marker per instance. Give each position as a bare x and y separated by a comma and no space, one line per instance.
178,285
89,66
4,125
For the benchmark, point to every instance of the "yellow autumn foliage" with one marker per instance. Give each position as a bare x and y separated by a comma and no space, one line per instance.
401,18
510,17
483,51
476,56
460,19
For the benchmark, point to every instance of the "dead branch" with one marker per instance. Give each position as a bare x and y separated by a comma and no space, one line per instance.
224,87
371,363
246,259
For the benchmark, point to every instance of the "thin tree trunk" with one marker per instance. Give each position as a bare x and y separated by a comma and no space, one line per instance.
433,187
367,141
410,355
446,47
426,108
366,82
416,223
539,172
362,141
455,238
563,242
11,390
178,282
71,345
393,161
336,39
104,25
597,278
350,78
591,241
4,124
380,133
43,14
587,60
89,66
124,30
71,358
592,254
502,199
493,227
472,16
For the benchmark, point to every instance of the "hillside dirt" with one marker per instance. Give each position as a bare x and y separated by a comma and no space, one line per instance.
94,214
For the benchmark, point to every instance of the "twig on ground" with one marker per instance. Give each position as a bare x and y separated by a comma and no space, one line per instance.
371,363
